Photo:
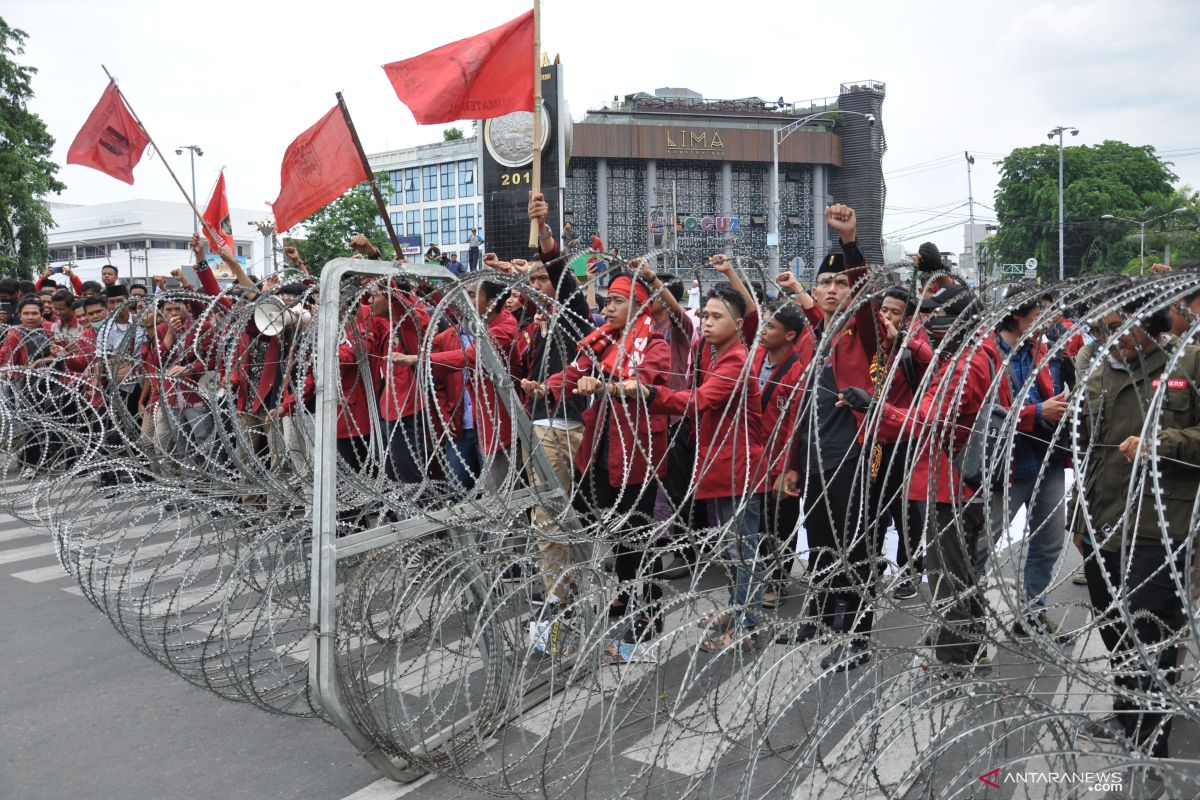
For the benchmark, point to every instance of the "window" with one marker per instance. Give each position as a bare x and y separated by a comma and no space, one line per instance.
466,178
431,226
61,254
239,251
412,225
466,221
448,180
397,219
429,183
396,178
411,192
448,225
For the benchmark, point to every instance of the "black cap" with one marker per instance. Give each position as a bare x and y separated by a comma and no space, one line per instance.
834,262
952,299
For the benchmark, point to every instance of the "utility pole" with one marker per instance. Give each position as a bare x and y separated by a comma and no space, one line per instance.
971,221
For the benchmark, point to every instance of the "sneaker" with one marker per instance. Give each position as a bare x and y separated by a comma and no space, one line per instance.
904,590
1105,731
680,568
774,596
1040,624
512,574
28,474
1079,578
799,635
847,656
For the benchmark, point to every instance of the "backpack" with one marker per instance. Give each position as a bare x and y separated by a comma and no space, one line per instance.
986,439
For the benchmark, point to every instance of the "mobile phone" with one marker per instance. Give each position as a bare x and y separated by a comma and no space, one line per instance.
56,270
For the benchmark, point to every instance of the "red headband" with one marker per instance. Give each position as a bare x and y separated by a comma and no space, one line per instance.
621,285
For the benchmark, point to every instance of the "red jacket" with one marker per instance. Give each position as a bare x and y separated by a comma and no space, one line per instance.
782,397
401,396
448,389
196,350
727,415
76,283
635,436
356,354
945,415
902,393
12,351
492,420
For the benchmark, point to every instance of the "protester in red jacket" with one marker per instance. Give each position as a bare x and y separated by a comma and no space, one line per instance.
780,364
485,409
726,409
939,425
401,402
622,446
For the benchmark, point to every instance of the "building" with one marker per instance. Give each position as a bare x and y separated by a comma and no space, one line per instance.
974,235
707,164
140,237
434,191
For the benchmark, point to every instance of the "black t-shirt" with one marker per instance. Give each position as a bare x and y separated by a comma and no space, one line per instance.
832,430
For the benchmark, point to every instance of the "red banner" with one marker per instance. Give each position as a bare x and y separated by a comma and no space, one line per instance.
216,215
318,167
488,75
110,140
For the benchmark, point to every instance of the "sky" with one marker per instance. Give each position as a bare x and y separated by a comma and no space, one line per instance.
242,79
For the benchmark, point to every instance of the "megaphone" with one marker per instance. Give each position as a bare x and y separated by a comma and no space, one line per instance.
272,316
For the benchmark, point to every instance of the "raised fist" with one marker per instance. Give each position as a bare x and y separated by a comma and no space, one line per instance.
843,220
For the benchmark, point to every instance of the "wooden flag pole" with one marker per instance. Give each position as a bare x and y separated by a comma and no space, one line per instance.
536,183
383,212
243,278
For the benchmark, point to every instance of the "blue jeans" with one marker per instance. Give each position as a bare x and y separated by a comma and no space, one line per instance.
741,551
462,459
1046,521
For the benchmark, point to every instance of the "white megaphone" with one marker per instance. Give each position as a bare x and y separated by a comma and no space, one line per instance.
272,316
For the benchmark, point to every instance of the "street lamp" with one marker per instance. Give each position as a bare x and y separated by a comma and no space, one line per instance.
777,137
1058,131
195,151
1142,236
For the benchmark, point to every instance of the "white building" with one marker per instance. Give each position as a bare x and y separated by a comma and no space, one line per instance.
434,192
140,238
973,236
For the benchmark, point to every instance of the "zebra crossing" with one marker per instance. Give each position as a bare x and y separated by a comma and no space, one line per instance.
670,724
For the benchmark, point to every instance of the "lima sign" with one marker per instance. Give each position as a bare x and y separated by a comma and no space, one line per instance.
705,223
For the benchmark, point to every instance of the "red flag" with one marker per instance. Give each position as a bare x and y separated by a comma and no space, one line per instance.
217,218
485,76
318,167
110,140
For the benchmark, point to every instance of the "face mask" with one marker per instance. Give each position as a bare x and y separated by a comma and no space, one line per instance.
96,326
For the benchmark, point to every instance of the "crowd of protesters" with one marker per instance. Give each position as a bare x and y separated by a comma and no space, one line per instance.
663,413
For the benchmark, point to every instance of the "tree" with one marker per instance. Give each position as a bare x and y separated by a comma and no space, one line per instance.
1109,178
452,134
330,229
27,174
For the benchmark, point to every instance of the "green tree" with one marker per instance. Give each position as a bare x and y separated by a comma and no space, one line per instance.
331,228
1109,178
452,134
27,174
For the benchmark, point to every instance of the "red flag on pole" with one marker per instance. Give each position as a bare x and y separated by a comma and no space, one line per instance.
488,75
111,139
216,215
318,167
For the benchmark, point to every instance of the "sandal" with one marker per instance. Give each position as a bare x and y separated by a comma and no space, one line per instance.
730,641
716,620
